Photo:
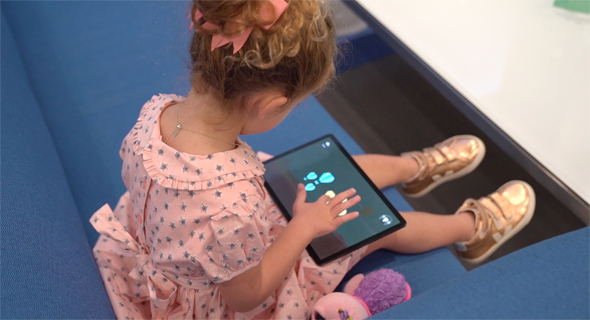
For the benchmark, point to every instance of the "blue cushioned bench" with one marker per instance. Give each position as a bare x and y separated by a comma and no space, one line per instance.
74,76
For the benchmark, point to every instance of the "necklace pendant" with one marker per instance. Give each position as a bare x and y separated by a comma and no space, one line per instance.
177,131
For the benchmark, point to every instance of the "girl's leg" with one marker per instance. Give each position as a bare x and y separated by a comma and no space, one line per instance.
499,216
423,170
386,171
424,231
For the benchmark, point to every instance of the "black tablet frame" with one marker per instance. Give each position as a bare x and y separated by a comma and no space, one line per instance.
352,248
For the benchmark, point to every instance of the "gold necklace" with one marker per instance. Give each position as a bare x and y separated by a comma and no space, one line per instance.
180,127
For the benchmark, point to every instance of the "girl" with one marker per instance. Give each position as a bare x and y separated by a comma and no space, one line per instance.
197,236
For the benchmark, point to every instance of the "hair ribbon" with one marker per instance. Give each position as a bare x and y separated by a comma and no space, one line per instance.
238,41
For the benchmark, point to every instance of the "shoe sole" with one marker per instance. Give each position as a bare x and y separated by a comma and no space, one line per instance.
528,216
467,170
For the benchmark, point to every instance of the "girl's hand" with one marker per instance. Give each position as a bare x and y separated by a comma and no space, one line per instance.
248,290
321,217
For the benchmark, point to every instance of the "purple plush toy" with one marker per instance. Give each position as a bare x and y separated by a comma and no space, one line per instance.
364,296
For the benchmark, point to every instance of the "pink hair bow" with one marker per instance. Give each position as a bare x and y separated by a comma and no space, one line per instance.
238,41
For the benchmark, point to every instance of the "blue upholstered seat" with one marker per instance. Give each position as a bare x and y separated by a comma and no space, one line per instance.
47,266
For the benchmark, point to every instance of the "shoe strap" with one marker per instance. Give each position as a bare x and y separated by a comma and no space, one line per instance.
429,159
446,151
478,210
475,207
503,205
436,155
423,165
494,211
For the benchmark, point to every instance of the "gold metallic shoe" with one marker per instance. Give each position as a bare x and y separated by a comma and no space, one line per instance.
498,217
448,160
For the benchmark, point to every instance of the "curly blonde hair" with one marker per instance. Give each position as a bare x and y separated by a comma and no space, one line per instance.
295,55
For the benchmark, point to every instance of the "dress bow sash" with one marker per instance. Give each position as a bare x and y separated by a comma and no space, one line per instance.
146,281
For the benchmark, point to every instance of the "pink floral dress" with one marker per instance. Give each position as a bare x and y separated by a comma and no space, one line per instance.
190,222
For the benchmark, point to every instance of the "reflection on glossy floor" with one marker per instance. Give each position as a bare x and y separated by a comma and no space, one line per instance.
388,108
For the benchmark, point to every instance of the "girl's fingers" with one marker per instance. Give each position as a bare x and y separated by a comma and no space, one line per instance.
342,196
325,199
345,205
301,193
345,218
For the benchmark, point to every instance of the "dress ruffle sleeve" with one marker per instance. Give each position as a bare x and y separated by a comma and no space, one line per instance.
235,240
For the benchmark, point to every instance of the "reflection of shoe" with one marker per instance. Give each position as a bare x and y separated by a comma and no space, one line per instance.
498,217
448,160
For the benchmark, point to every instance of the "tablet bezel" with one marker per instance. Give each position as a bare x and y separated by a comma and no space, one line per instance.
352,248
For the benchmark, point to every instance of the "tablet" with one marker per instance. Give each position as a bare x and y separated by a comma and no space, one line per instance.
324,167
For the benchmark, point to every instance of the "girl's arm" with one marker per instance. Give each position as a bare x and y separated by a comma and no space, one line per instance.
248,290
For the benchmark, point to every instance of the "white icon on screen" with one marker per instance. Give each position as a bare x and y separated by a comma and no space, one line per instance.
385,220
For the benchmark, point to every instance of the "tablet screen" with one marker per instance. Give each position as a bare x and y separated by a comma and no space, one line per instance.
324,167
